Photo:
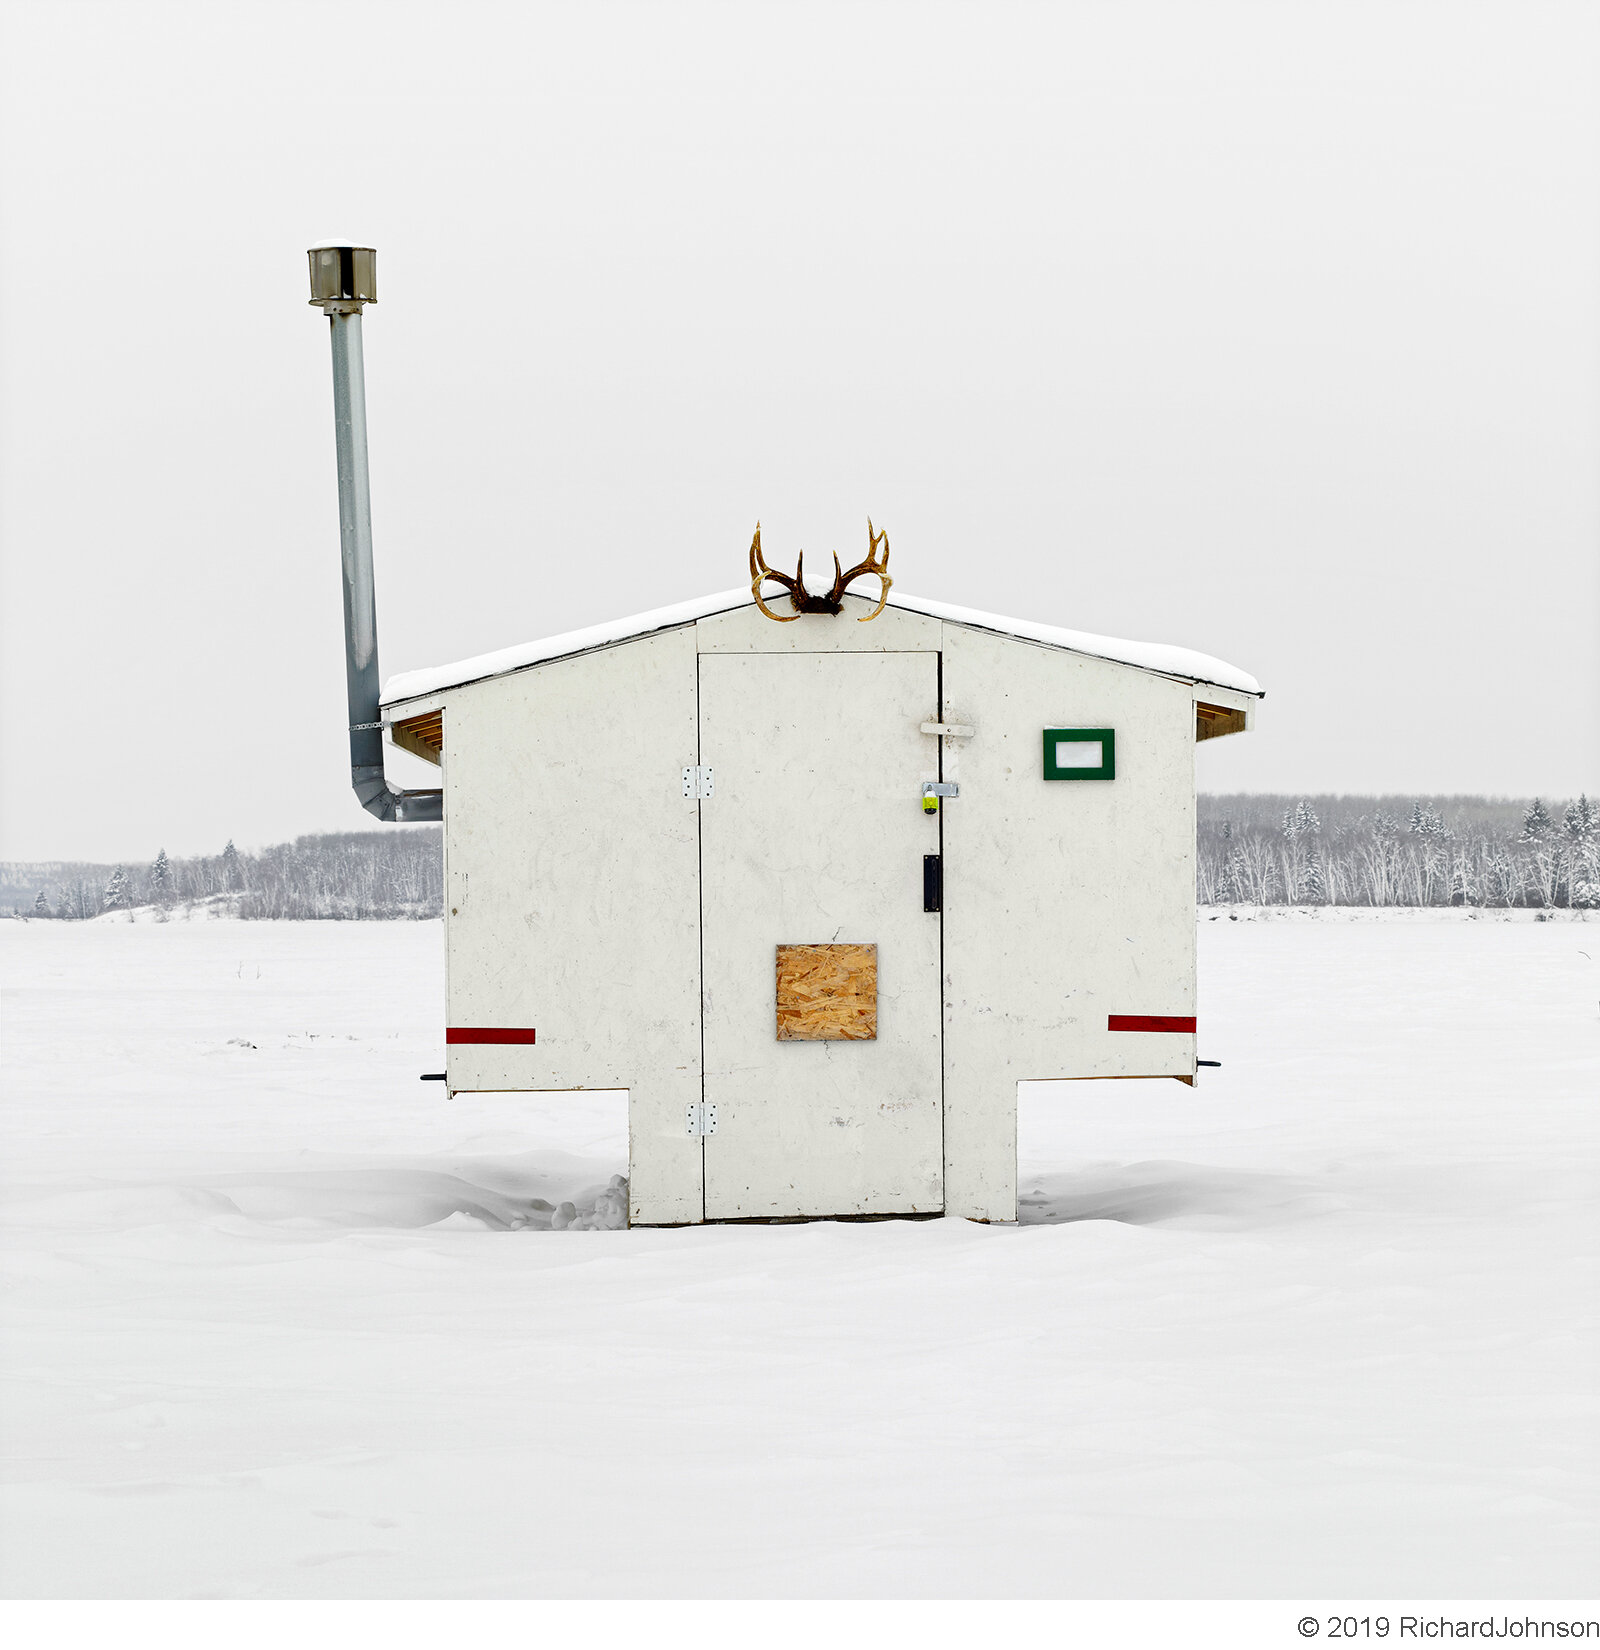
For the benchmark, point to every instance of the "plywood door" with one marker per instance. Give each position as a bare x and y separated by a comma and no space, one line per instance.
815,837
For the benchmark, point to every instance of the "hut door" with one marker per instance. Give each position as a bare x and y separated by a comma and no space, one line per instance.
820,967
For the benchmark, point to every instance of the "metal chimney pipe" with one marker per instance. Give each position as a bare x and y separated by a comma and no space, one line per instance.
343,280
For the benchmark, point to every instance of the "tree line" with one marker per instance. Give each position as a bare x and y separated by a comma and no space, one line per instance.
345,875
1376,851
1257,850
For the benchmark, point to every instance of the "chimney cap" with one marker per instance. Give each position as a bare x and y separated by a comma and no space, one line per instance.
343,277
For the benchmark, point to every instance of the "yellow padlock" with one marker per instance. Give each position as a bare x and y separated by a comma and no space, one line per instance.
930,804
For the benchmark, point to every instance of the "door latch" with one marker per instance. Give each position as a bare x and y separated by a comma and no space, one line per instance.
700,1117
933,789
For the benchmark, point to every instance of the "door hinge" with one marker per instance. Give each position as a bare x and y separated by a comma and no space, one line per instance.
697,782
932,882
700,1117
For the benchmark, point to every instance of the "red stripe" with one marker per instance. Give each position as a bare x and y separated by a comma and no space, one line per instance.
489,1034
1150,1022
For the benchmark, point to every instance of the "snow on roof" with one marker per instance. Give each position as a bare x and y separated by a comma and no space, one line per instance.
1161,657
413,684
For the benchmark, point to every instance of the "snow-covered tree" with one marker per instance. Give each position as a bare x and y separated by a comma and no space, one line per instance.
1536,824
1299,822
1504,883
1313,890
1462,891
232,876
1582,820
1233,877
41,906
160,878
116,894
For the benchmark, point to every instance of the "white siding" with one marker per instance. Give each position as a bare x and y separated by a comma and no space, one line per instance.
573,893
1065,901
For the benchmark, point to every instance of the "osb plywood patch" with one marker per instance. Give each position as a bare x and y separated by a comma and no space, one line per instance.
827,993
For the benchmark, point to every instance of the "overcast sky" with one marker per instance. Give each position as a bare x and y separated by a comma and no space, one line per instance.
1265,329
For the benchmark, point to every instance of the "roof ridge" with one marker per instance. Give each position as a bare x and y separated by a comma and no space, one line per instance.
1162,658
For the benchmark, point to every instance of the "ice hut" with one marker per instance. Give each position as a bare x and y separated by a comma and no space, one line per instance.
817,878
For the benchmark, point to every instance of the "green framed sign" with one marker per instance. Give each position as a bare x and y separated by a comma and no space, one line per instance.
1080,753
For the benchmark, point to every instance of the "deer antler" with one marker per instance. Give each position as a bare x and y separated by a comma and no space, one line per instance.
870,565
760,573
833,602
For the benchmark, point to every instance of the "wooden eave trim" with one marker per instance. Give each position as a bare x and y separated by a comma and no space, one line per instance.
1215,721
422,735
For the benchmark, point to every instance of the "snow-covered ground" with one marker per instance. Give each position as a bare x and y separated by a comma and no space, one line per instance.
279,1320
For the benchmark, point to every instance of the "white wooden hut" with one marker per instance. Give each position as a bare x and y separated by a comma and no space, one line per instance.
817,887
694,854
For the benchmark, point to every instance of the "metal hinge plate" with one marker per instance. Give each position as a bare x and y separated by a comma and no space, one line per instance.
697,782
700,1117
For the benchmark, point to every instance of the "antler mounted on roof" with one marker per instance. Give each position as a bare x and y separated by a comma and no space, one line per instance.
833,602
